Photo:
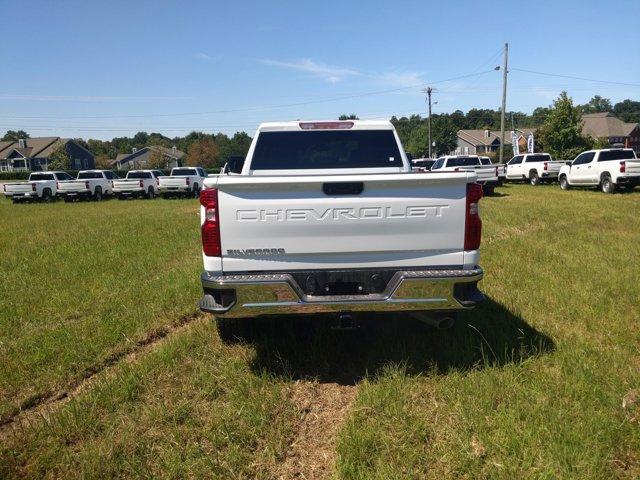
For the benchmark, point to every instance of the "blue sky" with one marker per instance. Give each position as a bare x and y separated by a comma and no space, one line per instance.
102,69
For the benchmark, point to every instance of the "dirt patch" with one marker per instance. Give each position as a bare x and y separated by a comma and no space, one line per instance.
322,408
44,403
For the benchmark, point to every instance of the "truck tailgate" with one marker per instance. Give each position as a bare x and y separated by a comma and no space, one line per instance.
300,222
554,167
72,186
18,188
126,184
174,182
485,173
632,167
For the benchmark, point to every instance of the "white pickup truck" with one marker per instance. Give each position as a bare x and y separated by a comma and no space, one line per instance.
93,184
607,169
327,217
534,167
138,183
487,174
40,186
184,181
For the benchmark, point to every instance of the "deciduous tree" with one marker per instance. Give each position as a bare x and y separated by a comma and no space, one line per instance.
561,133
203,153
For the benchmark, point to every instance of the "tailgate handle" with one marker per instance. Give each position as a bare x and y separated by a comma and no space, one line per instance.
343,188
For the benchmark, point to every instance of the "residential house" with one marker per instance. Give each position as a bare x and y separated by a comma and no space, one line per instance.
482,142
605,126
32,154
139,158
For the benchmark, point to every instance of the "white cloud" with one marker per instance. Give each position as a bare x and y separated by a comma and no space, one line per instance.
402,79
329,73
201,56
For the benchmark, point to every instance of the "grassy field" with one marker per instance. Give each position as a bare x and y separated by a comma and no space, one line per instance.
100,335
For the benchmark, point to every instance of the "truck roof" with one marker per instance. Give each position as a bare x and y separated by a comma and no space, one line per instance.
301,125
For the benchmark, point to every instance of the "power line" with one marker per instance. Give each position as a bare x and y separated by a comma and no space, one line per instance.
254,109
575,78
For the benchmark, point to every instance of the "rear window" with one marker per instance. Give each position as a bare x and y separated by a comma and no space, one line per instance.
41,176
88,175
326,150
463,162
485,161
538,158
616,155
139,175
438,164
183,172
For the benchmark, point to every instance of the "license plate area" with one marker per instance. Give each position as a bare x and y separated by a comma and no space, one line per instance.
343,282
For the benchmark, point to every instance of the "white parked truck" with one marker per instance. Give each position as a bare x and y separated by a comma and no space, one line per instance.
607,169
90,184
327,217
533,167
40,186
184,181
487,174
138,183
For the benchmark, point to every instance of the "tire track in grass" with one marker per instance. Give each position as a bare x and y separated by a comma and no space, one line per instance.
323,408
36,404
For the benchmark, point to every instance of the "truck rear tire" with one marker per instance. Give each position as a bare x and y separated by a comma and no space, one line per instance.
97,195
196,190
46,196
534,179
564,183
606,184
234,330
151,194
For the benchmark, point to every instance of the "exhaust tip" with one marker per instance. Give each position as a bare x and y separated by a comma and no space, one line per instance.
445,323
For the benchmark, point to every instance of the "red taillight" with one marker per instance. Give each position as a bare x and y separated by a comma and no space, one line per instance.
211,226
623,166
496,171
4,187
325,125
473,224
546,166
57,186
456,169
188,181
33,187
86,185
141,184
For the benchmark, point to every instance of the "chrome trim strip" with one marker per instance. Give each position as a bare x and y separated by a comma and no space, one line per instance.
258,294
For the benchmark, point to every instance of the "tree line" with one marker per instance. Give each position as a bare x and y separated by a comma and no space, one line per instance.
560,128
559,133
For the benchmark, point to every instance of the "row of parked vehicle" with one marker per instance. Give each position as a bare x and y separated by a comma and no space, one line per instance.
96,184
608,169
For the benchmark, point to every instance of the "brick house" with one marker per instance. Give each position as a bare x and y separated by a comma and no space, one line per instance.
619,134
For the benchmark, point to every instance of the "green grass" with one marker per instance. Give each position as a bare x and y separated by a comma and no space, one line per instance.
83,281
530,385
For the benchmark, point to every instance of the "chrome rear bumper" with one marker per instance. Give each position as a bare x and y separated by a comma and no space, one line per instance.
238,296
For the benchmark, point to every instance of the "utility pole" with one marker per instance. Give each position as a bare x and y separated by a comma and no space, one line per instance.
504,99
428,91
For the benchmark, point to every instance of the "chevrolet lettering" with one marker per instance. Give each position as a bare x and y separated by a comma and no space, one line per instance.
362,213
